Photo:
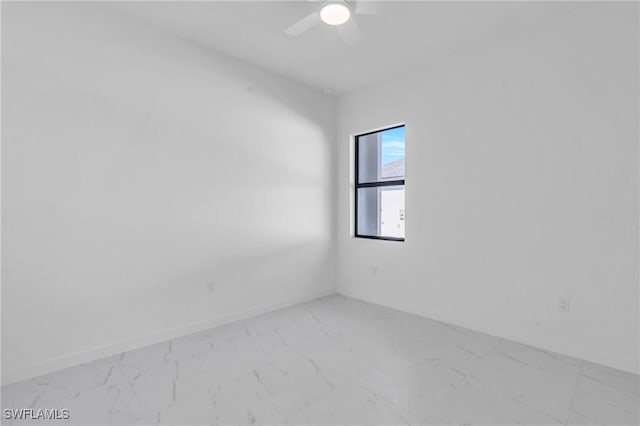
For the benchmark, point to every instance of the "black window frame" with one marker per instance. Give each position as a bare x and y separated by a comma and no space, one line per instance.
376,184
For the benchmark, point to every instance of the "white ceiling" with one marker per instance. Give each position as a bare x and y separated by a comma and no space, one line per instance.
403,36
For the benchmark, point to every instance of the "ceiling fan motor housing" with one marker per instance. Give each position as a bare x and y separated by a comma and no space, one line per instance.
336,12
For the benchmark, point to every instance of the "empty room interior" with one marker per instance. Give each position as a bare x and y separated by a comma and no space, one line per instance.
320,212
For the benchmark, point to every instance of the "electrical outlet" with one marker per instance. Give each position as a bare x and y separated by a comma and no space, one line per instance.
564,304
211,287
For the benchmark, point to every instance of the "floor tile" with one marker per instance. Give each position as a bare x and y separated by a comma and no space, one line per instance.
351,405
334,361
232,401
626,382
514,384
598,403
294,382
415,387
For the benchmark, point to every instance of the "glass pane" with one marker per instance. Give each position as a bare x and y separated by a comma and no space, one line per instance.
392,158
368,157
368,221
381,211
381,155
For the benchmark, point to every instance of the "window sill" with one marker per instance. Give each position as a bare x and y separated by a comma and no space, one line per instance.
372,237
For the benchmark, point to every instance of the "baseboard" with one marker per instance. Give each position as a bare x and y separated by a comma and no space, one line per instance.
467,326
82,357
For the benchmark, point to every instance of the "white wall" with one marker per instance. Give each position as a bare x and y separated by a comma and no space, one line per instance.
137,167
522,187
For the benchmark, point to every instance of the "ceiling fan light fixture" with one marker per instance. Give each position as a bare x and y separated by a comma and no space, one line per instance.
335,13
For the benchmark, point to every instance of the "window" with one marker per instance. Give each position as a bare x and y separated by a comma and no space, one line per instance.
379,189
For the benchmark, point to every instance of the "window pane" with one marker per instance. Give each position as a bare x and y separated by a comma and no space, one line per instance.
392,159
381,155
381,212
368,157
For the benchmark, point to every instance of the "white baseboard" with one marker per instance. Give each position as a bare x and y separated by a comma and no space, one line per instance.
515,339
82,357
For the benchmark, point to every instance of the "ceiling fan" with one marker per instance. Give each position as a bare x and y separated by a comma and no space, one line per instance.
338,13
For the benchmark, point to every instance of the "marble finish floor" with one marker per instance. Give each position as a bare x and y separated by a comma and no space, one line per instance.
335,361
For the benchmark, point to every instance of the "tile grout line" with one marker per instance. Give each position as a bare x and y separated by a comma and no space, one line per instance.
575,390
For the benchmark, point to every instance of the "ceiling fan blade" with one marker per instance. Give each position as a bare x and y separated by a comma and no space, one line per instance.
305,24
367,7
350,32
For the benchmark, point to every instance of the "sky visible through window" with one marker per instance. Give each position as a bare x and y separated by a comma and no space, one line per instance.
392,144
